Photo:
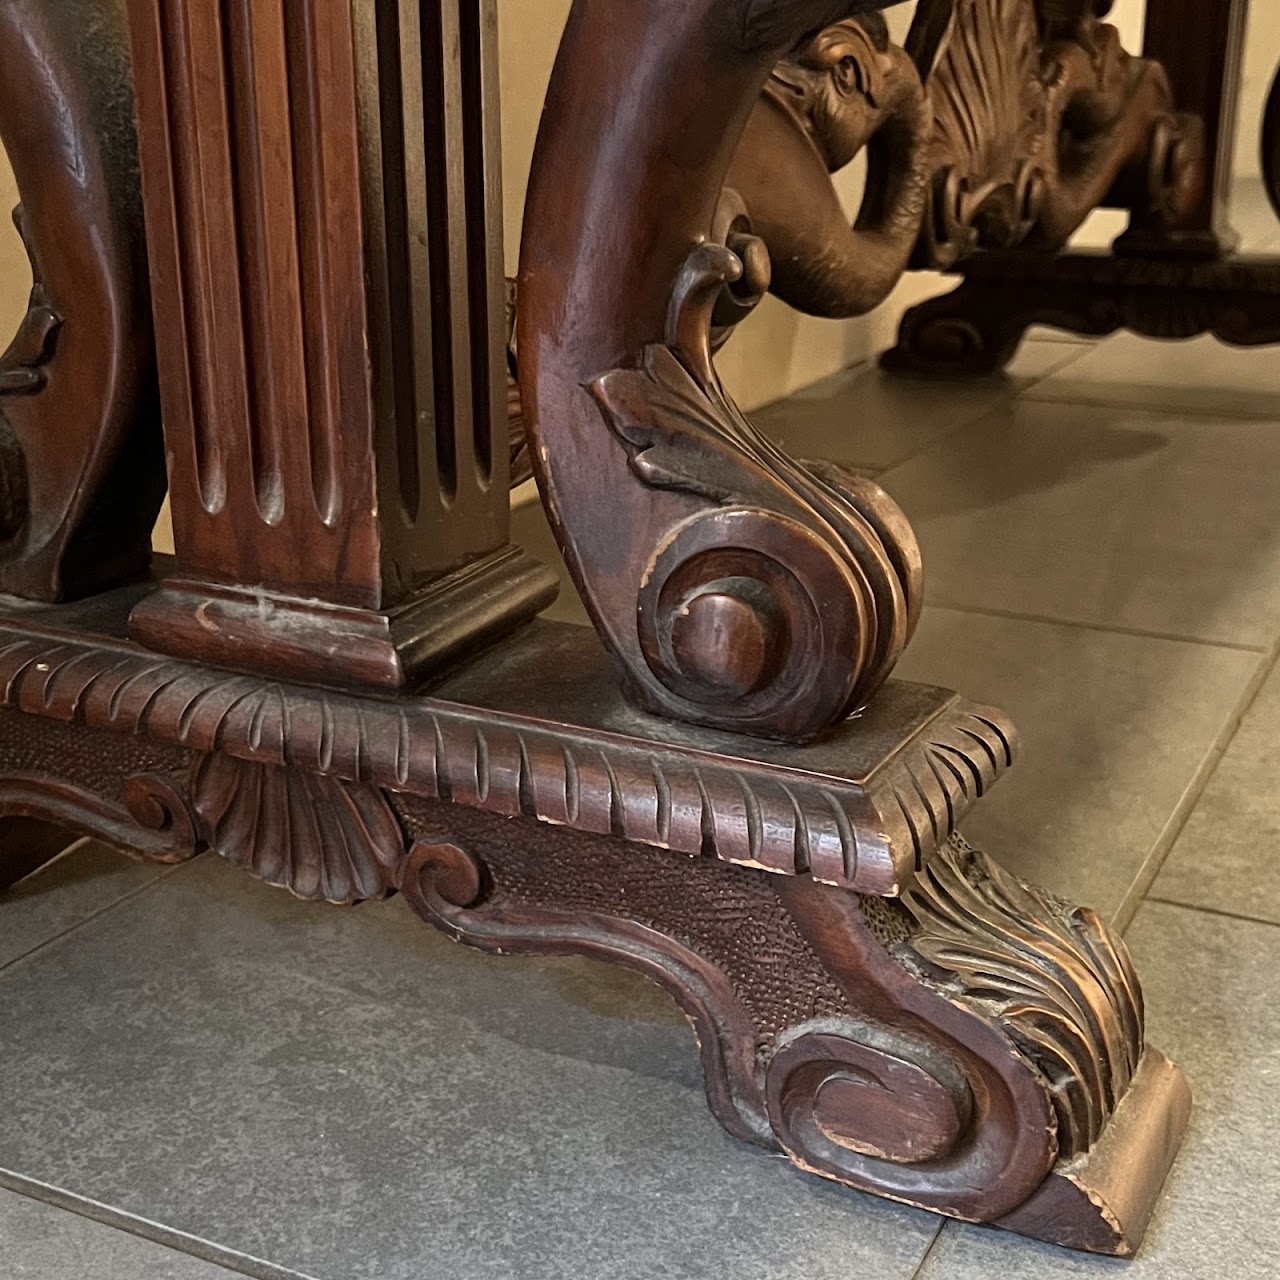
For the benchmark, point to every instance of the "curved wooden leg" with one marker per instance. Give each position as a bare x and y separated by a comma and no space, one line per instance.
975,1048
26,845
733,587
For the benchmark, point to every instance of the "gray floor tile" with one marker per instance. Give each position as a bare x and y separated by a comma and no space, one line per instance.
1212,1007
1198,376
81,883
871,419
1106,516
348,1093
1114,729
1228,855
38,1242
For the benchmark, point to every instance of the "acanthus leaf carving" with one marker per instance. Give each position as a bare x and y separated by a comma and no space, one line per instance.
1052,975
781,607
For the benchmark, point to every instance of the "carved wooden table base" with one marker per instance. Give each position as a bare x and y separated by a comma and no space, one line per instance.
871,996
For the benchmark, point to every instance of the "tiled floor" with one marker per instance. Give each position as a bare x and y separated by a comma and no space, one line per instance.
202,1078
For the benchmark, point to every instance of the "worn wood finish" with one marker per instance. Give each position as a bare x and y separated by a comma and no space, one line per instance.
734,587
541,732
322,212
81,463
954,1039
872,997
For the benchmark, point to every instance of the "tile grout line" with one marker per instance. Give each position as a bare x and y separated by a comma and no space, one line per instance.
1211,911
1178,414
163,874
1139,633
918,1273
1195,789
144,1229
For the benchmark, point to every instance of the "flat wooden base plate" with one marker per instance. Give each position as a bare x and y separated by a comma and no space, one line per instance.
1103,1202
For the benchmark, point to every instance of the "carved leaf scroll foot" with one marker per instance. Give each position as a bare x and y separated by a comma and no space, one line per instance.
953,1049
785,602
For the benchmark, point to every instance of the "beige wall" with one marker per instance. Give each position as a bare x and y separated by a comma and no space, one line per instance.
777,350
15,276
1261,54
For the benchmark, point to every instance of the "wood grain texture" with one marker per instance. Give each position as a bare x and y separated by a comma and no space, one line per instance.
884,800
692,540
81,463
962,1049
322,212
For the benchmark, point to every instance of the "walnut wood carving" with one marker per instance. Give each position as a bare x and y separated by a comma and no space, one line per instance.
81,463
1034,117
872,997
1040,116
563,749
845,90
323,218
1172,274
977,328
961,1046
734,587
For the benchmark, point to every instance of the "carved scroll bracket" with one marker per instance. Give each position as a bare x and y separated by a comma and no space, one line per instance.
734,587
963,1050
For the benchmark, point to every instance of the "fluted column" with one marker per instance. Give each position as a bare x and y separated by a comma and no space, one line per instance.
323,216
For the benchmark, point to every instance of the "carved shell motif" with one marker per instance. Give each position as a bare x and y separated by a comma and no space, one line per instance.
989,131
323,839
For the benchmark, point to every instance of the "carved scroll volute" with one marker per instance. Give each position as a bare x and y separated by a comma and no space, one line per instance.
734,587
81,462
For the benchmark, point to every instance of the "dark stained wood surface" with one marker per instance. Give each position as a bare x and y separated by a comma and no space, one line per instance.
81,461
323,219
725,790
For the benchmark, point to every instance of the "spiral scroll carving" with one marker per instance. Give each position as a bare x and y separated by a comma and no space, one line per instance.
945,1050
785,604
159,804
